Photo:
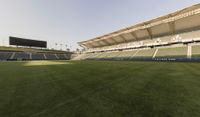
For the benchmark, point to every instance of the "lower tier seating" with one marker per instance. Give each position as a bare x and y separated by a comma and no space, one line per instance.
196,51
38,56
127,54
93,56
50,56
82,56
61,56
173,52
113,54
5,55
22,56
147,53
124,54
167,52
33,56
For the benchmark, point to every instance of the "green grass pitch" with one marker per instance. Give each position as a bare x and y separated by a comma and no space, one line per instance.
99,89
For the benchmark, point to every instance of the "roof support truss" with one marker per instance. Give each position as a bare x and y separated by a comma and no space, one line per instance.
134,35
83,46
149,33
169,19
121,36
90,45
106,41
172,27
101,43
114,40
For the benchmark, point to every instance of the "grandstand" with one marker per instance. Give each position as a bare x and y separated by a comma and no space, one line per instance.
5,55
196,52
38,56
30,50
21,56
176,52
169,37
13,54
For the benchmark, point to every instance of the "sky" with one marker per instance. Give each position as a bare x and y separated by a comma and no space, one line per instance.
67,22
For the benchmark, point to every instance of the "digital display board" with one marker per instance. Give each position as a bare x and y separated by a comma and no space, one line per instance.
27,42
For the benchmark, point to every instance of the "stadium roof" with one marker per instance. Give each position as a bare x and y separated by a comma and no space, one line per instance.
179,21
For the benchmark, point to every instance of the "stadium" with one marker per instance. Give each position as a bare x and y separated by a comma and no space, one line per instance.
170,37
150,69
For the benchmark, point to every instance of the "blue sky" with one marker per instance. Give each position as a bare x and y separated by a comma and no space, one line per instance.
70,21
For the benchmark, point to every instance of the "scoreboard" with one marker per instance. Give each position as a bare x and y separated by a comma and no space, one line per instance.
27,42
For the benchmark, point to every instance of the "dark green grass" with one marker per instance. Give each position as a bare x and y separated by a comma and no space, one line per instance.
99,89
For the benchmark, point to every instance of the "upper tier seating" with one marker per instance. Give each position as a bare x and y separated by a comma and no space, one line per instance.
194,35
165,39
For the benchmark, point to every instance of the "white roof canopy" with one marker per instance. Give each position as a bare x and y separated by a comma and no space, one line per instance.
180,21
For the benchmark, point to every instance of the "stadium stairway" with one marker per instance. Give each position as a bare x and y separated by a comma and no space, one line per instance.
13,55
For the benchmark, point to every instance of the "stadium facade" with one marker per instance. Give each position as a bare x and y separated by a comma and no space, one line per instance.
175,36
